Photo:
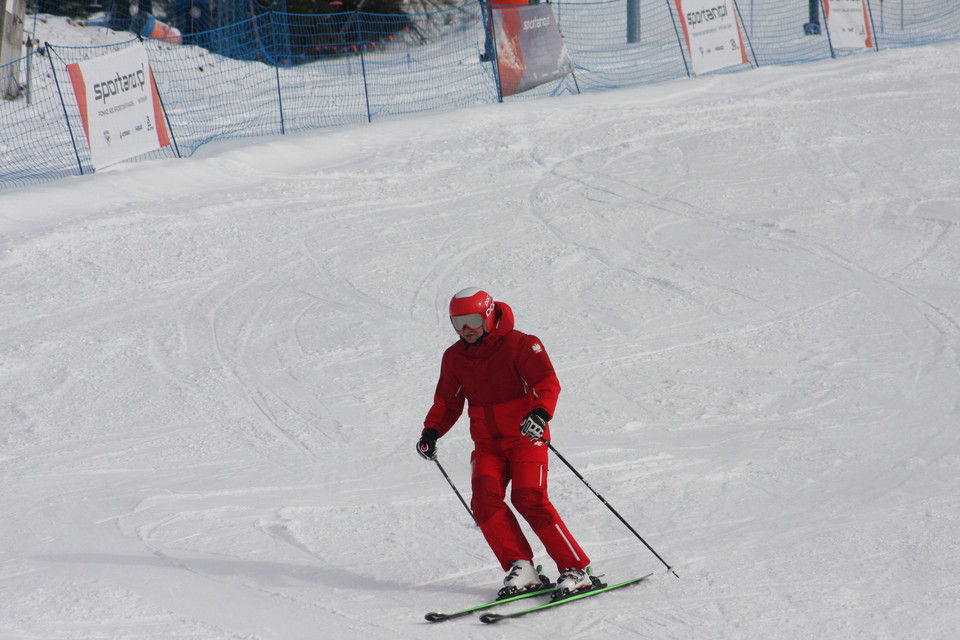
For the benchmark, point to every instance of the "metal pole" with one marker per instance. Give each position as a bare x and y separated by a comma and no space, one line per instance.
66,117
30,43
607,504
633,21
452,486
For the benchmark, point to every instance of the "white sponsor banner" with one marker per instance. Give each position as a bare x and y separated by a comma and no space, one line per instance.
848,24
712,32
119,106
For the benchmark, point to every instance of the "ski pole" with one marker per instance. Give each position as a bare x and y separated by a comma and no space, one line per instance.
452,486
607,504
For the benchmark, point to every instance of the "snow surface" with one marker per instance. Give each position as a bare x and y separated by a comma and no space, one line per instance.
213,370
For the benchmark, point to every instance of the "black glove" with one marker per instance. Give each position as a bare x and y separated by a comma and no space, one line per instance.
427,444
534,424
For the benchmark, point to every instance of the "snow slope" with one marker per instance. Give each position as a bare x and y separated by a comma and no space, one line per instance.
213,370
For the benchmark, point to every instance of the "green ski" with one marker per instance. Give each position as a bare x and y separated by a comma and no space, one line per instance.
490,618
546,589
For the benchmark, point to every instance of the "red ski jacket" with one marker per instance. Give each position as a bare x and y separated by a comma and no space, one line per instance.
503,377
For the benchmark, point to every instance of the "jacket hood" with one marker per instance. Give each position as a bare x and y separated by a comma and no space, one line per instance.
502,319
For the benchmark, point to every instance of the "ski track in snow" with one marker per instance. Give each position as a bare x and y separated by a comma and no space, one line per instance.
214,370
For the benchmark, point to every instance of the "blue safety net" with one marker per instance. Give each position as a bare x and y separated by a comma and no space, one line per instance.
243,69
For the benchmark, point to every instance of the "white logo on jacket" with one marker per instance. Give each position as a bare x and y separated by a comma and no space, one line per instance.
537,348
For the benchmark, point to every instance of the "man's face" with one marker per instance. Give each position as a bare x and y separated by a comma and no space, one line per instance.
469,335
470,327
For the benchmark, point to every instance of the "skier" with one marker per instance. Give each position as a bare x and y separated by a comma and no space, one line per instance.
511,388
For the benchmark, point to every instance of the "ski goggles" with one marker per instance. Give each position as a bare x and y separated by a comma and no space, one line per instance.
471,321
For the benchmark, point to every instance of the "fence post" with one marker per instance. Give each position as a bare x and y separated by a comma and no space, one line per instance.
812,28
633,21
873,26
490,53
276,66
746,33
30,43
833,54
163,108
366,88
56,82
683,50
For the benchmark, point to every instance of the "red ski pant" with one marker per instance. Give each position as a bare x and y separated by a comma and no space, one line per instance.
524,465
